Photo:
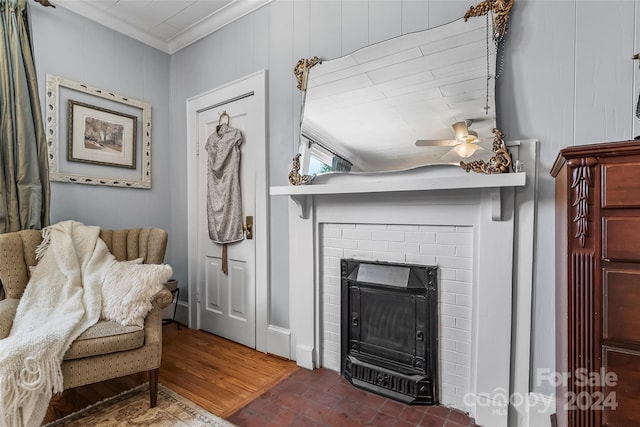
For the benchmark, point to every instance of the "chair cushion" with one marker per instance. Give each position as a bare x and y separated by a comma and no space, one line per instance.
105,337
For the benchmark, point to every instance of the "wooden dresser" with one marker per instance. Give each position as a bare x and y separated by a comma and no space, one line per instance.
598,285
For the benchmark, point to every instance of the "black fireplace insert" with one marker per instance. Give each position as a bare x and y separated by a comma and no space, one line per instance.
389,325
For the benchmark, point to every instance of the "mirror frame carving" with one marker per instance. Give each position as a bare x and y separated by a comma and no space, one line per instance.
500,162
501,10
301,71
294,176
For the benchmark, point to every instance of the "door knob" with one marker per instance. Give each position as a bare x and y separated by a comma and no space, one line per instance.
248,227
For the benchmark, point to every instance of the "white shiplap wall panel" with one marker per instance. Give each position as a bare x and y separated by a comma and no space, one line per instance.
415,16
301,19
281,147
301,10
443,11
325,29
385,20
261,37
355,28
243,43
535,97
225,57
603,60
102,42
281,85
126,58
48,23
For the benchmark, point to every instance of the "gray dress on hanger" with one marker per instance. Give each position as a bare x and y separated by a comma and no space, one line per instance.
224,198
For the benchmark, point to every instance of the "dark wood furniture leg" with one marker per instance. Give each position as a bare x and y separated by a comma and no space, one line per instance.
153,387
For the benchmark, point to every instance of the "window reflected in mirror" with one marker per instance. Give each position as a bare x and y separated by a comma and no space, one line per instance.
323,160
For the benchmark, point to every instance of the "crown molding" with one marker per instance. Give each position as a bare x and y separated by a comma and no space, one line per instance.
209,24
89,11
212,23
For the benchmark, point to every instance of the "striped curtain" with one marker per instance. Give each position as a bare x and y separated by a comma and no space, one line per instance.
24,172
338,164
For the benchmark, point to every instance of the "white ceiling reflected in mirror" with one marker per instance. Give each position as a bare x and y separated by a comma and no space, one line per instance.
424,98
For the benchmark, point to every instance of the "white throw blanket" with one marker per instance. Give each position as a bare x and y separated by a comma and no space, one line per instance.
62,299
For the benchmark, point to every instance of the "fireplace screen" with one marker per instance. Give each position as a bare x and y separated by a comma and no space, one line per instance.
389,329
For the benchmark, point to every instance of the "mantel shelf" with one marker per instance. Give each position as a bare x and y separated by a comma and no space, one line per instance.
419,184
301,194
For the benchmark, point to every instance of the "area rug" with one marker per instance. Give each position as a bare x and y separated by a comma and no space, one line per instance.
131,408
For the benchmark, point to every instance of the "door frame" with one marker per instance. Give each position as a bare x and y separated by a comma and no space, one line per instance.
255,83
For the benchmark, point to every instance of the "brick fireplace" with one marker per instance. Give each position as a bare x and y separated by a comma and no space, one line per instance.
448,247
464,224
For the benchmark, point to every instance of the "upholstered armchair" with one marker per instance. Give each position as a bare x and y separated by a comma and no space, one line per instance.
106,350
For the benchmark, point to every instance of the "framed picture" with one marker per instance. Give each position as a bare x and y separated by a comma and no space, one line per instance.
97,137
100,136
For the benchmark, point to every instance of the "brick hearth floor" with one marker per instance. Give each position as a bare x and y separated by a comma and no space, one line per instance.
322,398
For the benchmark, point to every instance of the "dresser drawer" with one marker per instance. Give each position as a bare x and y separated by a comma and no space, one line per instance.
626,365
620,238
621,303
621,185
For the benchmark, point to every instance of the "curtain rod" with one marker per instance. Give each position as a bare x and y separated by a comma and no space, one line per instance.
311,141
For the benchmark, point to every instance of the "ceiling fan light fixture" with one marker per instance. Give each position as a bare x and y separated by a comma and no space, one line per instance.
468,139
461,129
462,132
466,149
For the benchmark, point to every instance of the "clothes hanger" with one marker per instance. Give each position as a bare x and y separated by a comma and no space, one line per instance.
222,115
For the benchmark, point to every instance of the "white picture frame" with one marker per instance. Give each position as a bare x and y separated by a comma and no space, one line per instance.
68,162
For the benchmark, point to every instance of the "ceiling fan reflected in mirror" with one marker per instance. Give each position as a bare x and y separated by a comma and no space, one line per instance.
465,142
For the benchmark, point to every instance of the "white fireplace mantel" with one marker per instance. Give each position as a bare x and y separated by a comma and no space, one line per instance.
441,196
385,183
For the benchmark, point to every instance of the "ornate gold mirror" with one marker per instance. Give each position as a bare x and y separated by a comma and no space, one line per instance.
424,98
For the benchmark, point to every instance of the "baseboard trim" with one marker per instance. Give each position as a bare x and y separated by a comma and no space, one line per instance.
279,341
182,313
304,356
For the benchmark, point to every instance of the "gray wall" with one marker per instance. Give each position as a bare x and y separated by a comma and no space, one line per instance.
568,79
275,38
81,50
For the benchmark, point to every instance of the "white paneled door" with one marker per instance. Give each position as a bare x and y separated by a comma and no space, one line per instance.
227,301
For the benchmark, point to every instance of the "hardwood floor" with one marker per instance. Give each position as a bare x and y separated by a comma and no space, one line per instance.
253,389
217,374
